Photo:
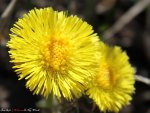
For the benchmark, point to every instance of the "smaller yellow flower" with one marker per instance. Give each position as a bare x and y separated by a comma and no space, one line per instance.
113,85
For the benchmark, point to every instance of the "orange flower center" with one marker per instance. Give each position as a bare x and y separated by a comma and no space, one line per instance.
56,53
105,78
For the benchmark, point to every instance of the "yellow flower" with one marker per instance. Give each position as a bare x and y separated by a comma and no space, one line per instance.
54,52
113,84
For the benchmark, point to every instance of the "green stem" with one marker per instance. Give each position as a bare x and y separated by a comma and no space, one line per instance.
77,106
49,101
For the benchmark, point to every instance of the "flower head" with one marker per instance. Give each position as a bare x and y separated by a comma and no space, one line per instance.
54,52
112,86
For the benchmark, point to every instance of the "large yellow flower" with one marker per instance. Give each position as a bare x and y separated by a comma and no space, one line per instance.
113,84
53,52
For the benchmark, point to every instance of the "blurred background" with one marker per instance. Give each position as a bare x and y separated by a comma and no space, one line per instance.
118,22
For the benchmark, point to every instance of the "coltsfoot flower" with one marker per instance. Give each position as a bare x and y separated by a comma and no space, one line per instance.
113,84
54,52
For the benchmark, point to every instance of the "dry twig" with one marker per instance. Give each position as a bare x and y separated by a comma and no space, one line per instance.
126,18
142,79
6,14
